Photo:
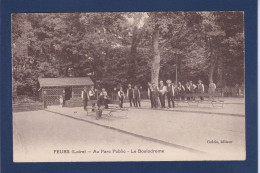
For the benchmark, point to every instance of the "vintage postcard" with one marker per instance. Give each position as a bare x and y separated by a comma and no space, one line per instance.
128,86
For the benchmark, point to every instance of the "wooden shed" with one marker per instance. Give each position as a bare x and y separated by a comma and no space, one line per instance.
69,88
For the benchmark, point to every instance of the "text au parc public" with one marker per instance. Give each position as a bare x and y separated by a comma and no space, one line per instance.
112,151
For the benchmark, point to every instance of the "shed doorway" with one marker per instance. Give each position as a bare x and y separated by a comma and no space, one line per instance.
68,93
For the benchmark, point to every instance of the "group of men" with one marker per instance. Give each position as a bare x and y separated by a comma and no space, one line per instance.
179,91
155,93
93,96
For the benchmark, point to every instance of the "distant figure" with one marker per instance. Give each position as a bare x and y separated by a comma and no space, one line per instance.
137,97
237,89
104,94
61,101
201,89
130,94
187,90
192,89
141,92
121,96
84,96
162,91
212,88
155,95
181,90
170,93
114,94
92,96
100,106
150,93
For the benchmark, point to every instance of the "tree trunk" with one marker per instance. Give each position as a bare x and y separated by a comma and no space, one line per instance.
220,82
213,60
179,67
156,57
211,72
132,58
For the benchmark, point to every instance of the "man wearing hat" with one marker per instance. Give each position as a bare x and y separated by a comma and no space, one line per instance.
192,89
105,96
130,94
201,89
121,96
212,88
92,96
137,96
85,98
162,91
170,93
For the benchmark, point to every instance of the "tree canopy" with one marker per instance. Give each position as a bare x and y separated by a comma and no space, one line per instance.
121,48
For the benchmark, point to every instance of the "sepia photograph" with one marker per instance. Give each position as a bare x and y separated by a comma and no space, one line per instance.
128,86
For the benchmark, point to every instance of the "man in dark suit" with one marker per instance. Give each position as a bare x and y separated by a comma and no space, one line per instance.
84,96
170,93
130,95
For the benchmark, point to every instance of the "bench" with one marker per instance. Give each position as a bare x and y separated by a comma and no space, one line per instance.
195,99
113,106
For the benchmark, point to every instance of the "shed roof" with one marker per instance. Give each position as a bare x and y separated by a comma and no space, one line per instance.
69,81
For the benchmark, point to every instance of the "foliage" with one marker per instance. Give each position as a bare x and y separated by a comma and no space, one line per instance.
118,48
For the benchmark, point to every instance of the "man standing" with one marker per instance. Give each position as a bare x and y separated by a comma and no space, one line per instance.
181,90
100,106
130,95
237,89
105,95
150,93
121,96
155,95
170,93
212,88
92,96
162,91
187,90
192,89
201,89
137,97
84,96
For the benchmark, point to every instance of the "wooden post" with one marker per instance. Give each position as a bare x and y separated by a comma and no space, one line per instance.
72,92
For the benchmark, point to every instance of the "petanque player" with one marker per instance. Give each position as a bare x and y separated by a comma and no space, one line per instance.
130,94
101,104
137,97
201,89
212,88
181,90
92,96
155,95
170,93
187,90
150,93
105,95
121,96
84,96
192,89
162,91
